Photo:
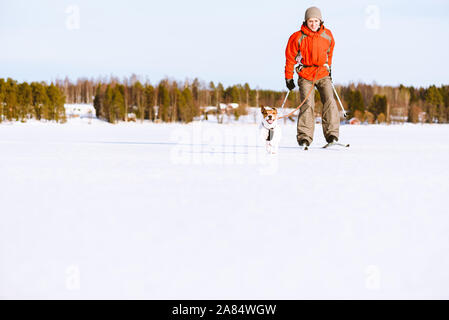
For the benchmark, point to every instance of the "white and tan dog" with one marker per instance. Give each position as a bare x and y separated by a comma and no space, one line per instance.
270,131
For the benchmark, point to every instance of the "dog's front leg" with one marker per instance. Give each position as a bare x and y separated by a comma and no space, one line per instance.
268,146
271,147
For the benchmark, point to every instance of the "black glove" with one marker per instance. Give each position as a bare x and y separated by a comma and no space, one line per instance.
290,84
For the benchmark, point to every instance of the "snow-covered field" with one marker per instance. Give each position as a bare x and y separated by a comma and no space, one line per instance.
198,211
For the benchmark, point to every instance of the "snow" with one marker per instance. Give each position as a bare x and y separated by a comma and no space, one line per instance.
199,211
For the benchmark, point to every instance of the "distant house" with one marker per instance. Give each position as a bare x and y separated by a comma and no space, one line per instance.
209,109
132,117
395,118
227,107
422,116
220,110
354,121
398,115
80,111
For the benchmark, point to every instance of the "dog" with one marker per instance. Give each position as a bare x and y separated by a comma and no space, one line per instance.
270,132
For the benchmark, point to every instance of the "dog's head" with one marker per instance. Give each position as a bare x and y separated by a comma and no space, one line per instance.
270,115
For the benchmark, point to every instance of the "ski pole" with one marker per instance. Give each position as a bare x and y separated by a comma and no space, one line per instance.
285,100
341,105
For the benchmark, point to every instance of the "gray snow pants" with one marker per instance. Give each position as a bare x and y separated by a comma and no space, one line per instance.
330,117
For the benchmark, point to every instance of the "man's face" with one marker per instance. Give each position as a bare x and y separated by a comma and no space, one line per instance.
313,24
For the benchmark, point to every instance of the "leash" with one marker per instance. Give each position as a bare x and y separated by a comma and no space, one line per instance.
307,96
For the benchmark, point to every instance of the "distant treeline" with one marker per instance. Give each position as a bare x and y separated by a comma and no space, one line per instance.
115,99
38,100
398,104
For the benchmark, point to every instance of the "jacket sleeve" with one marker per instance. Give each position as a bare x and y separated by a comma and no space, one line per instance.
290,56
331,49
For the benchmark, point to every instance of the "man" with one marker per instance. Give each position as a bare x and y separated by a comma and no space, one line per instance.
312,47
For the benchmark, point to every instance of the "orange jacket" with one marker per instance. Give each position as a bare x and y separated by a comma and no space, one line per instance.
316,48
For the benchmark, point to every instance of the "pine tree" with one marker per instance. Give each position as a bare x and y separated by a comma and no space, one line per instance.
55,104
213,96
189,105
149,96
119,103
355,102
98,102
434,99
378,105
137,99
220,93
434,96
164,101
181,106
247,90
2,98
25,96
40,100
109,105
196,90
11,99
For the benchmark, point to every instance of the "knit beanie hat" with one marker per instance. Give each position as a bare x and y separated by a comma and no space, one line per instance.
313,12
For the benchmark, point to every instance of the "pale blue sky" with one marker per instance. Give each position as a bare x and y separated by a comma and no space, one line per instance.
229,41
